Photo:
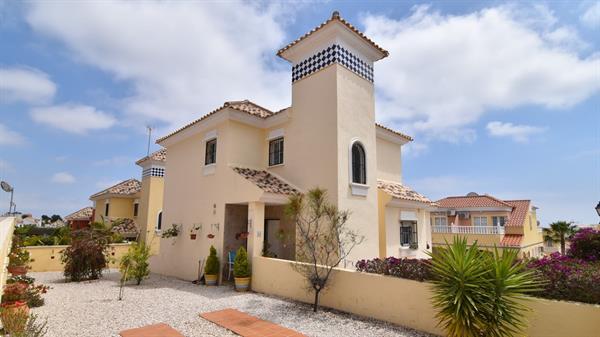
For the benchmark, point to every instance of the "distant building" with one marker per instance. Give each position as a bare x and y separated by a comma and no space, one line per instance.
81,218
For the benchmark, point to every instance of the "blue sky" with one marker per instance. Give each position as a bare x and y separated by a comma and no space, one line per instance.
501,98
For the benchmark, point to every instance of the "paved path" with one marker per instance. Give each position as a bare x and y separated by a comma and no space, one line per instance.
248,326
155,330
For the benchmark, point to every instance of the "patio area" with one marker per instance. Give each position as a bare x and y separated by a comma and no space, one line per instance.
92,309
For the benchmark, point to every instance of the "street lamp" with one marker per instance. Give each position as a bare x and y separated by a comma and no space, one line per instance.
598,208
7,188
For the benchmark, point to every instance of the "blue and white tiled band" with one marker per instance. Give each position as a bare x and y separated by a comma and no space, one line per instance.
332,54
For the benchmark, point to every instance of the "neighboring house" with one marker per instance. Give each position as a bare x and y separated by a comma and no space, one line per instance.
119,201
151,197
230,173
554,247
489,221
81,218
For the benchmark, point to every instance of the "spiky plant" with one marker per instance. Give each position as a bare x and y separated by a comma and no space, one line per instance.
478,293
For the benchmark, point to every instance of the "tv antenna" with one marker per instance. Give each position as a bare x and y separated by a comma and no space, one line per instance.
149,138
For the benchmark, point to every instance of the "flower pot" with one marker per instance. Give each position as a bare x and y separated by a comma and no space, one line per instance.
193,236
242,283
211,280
14,317
17,270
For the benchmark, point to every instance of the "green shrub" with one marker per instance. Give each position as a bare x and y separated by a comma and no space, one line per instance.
480,294
241,268
134,264
212,263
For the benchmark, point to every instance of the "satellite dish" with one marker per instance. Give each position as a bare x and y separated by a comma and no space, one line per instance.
472,194
5,186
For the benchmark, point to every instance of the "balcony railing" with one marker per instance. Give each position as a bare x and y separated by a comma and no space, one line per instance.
468,229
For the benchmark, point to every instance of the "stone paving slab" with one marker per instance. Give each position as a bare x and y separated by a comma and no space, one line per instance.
155,330
248,326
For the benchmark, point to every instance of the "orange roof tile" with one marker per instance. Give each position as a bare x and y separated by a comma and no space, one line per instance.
160,155
127,187
407,137
82,214
472,201
335,16
511,240
266,181
520,209
400,191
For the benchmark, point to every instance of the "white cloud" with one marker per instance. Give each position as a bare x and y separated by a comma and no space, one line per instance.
63,178
183,59
9,137
28,85
106,183
73,118
446,71
115,161
519,133
591,17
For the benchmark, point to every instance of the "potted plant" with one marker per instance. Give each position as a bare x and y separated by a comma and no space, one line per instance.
14,317
171,232
241,270
211,270
18,260
194,231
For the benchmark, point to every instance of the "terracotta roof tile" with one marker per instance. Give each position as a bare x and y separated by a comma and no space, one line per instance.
400,191
127,187
160,155
407,137
511,240
266,181
243,106
82,214
124,226
471,201
335,17
519,213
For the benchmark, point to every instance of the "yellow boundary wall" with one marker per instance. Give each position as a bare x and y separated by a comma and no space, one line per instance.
47,258
407,303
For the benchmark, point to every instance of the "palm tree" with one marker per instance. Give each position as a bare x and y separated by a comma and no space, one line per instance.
559,231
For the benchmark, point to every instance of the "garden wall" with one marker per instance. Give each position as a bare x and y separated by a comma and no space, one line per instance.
407,303
7,226
47,258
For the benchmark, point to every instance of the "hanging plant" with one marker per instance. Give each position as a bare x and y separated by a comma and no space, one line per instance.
171,232
194,231
210,236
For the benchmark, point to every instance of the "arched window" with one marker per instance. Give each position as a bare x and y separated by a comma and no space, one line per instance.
359,164
159,221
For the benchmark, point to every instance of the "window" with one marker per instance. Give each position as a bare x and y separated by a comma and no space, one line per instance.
276,151
136,208
211,152
480,221
408,234
359,167
159,221
106,208
440,221
499,220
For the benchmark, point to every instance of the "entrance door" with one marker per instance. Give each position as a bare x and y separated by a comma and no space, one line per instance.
272,244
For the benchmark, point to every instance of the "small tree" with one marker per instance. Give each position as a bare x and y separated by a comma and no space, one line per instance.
241,268
324,239
134,264
560,231
585,244
212,263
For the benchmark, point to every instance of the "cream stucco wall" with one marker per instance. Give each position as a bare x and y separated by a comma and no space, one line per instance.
7,226
119,207
151,203
407,303
389,160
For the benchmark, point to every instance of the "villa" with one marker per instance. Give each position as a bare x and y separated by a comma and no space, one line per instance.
489,221
230,173
81,218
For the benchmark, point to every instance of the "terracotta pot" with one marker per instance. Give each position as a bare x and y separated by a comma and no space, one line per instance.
17,270
211,280
14,317
193,236
242,283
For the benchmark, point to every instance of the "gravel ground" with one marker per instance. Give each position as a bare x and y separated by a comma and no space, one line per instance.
91,309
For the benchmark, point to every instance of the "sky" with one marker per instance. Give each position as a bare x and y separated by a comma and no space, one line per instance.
501,97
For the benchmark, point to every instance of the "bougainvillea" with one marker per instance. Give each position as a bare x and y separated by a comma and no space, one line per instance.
413,269
568,278
585,244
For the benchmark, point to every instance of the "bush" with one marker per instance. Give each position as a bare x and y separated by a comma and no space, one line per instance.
18,256
212,263
585,244
14,318
14,292
134,264
85,258
240,264
568,278
34,293
412,269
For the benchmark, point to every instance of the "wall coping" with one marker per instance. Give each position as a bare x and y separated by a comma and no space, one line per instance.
65,246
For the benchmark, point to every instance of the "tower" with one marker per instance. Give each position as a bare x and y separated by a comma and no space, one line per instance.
151,199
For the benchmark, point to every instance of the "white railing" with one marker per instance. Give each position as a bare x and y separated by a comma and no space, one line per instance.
468,229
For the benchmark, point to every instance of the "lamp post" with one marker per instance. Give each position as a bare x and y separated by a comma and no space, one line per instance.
598,208
7,188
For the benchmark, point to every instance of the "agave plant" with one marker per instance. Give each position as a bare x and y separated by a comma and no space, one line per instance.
478,293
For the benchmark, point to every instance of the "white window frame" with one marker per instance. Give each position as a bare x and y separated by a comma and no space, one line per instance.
158,218
282,139
478,219
442,223
356,188
499,223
